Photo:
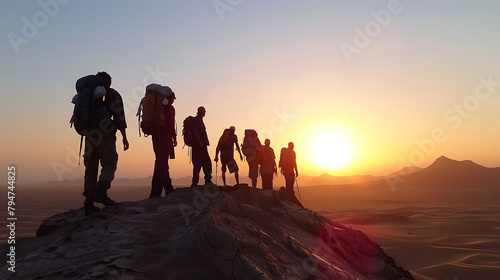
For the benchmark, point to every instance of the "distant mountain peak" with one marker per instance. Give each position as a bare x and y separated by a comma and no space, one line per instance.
447,172
444,161
444,158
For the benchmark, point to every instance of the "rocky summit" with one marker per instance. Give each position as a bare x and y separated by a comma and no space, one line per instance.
202,233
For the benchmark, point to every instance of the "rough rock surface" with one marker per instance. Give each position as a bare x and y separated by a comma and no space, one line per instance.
202,233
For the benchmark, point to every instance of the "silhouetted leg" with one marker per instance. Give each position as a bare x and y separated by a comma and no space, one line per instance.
91,162
224,178
168,181
195,155
207,165
267,181
161,166
237,177
233,167
290,180
108,157
253,172
223,168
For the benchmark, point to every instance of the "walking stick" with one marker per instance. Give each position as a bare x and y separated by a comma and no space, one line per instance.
216,163
296,182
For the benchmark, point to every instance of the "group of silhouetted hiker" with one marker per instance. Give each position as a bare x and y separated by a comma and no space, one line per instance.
99,112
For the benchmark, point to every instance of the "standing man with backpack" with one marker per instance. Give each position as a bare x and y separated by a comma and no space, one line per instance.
268,166
158,120
252,149
97,120
107,153
201,158
226,147
164,141
288,166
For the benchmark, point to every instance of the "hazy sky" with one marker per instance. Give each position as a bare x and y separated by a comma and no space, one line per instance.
402,81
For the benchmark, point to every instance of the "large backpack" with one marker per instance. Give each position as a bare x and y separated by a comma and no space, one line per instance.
287,159
188,131
283,158
153,109
89,106
251,147
226,140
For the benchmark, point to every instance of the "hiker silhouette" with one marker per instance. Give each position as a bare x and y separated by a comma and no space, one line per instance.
268,166
226,148
157,105
97,119
201,158
252,149
288,166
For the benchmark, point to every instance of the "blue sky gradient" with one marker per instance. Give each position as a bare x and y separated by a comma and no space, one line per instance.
244,65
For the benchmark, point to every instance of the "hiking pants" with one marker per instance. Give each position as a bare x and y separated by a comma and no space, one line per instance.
99,148
201,159
267,181
253,169
289,180
161,175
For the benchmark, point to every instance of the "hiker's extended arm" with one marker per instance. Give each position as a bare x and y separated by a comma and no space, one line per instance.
170,124
238,148
125,140
217,152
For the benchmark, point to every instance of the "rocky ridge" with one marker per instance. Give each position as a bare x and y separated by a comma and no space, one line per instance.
202,233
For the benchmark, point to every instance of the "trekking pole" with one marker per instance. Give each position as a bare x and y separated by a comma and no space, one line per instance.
297,183
216,164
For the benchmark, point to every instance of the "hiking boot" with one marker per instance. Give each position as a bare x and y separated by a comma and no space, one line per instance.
89,207
101,195
107,201
209,183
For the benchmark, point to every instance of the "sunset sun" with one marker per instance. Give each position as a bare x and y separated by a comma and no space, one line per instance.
331,151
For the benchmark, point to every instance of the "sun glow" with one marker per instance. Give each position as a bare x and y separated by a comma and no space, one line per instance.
331,151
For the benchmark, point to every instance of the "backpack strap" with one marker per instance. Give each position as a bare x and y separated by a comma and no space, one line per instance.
139,116
156,117
80,154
